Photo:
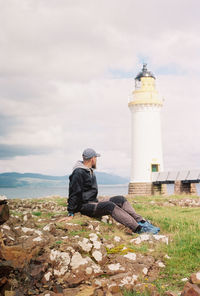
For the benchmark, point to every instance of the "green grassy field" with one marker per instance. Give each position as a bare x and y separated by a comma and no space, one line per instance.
182,225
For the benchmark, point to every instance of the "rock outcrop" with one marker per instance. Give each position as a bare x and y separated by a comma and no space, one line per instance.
192,287
184,202
4,210
41,256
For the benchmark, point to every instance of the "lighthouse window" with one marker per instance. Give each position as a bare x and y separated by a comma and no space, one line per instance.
137,84
154,167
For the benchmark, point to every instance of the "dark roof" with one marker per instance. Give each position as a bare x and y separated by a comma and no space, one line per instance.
144,73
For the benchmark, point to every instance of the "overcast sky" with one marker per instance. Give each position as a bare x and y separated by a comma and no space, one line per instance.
67,71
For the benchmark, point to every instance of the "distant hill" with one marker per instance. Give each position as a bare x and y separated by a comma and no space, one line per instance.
109,179
14,179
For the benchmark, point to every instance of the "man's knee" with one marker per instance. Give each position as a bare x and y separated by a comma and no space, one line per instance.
105,208
119,199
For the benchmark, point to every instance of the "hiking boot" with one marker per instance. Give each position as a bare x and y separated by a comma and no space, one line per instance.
148,227
140,229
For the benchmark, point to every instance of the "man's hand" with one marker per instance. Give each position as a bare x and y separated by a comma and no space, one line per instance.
66,219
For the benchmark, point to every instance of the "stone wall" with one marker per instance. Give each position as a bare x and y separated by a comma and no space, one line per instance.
146,189
159,189
185,188
142,189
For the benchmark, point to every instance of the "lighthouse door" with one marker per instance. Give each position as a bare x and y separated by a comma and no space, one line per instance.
154,167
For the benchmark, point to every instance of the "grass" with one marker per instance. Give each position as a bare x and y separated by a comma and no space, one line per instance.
82,233
15,213
136,293
140,249
61,202
38,214
182,225
58,242
49,214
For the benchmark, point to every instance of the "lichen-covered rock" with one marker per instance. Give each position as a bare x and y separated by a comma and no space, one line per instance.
34,241
72,227
161,238
105,219
85,245
190,290
128,280
47,277
77,260
150,239
93,237
17,255
97,255
61,262
170,293
195,278
4,212
50,228
140,239
131,256
114,268
117,239
160,264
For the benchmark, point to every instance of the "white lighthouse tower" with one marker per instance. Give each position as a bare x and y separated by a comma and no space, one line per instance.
146,142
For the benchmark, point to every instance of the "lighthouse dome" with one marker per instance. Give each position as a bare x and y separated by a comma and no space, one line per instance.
144,73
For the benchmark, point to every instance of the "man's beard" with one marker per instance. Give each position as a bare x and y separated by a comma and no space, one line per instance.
94,166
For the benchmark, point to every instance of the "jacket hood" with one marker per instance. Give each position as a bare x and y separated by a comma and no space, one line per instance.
80,165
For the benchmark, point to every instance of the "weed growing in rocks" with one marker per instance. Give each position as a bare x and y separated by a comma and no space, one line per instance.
136,293
38,214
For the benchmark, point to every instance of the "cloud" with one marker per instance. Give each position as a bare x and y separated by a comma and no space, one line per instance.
7,124
11,151
67,72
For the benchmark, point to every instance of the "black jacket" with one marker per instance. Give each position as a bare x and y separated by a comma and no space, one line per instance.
82,189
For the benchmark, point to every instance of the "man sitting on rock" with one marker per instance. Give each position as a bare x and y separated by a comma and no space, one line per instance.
83,192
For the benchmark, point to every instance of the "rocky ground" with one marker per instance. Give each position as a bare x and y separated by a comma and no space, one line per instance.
40,256
185,202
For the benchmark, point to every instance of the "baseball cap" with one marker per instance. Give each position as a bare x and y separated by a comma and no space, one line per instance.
89,153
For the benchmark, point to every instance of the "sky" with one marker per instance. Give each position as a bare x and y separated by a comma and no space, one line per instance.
67,70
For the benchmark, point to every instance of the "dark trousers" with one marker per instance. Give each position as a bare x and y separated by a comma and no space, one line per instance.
117,206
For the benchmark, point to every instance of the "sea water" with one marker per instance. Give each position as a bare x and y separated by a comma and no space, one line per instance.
36,191
104,190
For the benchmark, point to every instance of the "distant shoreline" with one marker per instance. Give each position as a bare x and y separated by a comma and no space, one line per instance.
15,180
37,192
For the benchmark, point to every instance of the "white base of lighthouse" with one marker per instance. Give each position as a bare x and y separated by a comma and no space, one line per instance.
146,151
